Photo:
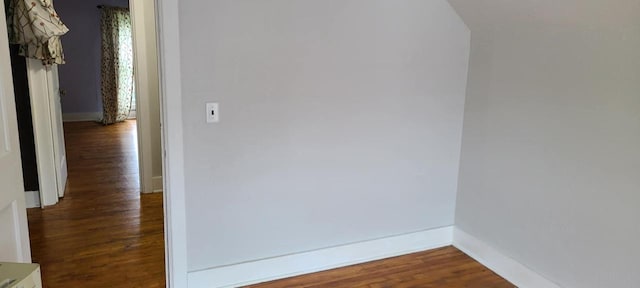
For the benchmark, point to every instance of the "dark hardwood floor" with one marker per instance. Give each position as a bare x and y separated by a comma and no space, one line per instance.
444,267
103,233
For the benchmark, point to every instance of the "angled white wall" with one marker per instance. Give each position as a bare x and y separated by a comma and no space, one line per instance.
551,145
341,122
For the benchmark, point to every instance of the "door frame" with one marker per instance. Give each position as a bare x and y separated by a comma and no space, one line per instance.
43,118
167,24
143,113
167,15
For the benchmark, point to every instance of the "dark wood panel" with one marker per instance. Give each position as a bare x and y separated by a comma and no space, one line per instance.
103,233
25,121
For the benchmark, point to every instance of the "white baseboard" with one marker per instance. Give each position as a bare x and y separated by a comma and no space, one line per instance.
78,117
318,260
504,266
32,199
156,184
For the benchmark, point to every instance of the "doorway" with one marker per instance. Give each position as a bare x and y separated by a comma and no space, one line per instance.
147,214
96,83
78,97
146,107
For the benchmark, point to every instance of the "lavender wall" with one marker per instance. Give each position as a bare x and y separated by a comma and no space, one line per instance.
80,76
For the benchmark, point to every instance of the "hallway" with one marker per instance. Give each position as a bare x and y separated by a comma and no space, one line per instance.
103,233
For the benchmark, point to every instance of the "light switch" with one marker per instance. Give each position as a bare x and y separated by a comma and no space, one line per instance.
213,113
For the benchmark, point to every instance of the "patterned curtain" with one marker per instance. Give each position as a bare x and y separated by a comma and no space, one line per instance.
117,65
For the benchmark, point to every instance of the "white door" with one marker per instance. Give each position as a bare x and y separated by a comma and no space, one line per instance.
14,233
59,152
39,93
46,110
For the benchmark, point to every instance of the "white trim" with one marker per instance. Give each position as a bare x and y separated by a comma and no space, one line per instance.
57,129
157,184
81,117
32,199
308,262
167,13
64,176
42,130
145,164
503,265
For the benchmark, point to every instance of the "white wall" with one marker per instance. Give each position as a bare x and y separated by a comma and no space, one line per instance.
551,145
340,122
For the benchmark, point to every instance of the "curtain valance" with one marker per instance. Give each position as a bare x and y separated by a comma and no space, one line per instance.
36,27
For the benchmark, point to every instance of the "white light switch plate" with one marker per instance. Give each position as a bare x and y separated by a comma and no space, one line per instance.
213,113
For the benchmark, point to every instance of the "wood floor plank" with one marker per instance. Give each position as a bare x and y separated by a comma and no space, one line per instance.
444,267
103,233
